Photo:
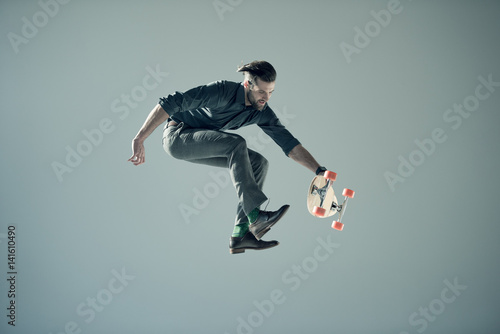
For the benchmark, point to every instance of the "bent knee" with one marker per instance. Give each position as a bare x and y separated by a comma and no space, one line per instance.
264,163
169,147
259,161
238,141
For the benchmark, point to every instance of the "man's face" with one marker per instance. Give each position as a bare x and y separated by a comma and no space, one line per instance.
260,93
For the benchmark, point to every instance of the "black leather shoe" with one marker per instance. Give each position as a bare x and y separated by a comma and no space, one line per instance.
248,241
265,220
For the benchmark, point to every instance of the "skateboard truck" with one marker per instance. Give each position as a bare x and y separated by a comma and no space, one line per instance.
347,193
322,192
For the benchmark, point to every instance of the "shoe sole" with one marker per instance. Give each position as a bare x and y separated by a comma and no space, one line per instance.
261,233
242,250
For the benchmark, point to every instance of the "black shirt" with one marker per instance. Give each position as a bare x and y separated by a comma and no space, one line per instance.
220,105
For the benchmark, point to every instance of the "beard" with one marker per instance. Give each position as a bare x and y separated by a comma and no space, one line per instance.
254,102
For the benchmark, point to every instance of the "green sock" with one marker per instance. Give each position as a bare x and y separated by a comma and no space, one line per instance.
252,216
240,230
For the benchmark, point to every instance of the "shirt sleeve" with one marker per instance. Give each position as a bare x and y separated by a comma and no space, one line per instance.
272,126
207,96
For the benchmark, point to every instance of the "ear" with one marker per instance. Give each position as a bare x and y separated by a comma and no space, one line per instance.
245,83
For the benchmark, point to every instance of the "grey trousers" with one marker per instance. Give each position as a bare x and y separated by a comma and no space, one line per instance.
247,168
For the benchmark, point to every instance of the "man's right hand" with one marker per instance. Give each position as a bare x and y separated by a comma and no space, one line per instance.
139,153
156,117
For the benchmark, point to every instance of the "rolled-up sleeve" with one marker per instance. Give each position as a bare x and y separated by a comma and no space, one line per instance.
277,131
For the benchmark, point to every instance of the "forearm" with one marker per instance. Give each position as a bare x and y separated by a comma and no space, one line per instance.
303,157
156,117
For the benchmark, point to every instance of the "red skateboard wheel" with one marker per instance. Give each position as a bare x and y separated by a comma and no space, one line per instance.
338,226
348,193
330,175
318,211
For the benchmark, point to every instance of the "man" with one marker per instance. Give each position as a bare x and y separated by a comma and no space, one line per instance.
196,120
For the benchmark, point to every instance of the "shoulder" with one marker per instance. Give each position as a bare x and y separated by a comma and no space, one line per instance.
225,83
227,89
268,113
267,117
223,86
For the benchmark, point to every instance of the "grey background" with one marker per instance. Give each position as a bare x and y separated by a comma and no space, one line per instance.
398,247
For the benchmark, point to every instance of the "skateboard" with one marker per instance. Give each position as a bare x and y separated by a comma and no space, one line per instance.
321,199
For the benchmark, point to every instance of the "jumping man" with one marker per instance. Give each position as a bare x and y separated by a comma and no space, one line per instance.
194,132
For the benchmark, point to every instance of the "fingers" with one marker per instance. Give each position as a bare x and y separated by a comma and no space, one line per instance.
137,160
138,157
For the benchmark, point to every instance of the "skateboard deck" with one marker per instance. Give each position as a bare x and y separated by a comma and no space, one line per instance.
321,199
318,185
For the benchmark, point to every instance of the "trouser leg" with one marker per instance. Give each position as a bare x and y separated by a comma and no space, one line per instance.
259,168
221,149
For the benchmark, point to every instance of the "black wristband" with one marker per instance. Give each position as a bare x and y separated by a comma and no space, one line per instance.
320,169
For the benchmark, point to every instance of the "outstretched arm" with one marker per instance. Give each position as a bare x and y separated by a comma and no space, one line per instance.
156,117
303,157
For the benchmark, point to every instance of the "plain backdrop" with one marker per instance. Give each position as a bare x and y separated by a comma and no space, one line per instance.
377,91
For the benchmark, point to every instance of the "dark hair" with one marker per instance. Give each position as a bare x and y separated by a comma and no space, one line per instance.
259,69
